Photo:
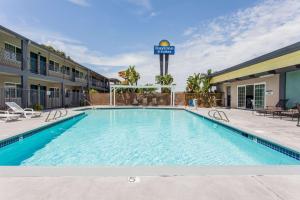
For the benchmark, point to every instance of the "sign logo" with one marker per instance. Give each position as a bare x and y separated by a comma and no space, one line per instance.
164,48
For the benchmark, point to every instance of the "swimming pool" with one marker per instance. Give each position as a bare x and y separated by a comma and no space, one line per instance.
139,137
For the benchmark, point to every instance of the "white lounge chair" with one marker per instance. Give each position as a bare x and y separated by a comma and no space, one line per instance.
26,112
5,116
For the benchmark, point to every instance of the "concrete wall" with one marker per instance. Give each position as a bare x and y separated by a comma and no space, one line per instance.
293,88
272,85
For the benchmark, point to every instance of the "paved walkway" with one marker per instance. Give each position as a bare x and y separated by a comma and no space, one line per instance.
212,187
282,131
12,128
148,188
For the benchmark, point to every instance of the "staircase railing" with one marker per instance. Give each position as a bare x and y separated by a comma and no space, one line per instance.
57,114
218,115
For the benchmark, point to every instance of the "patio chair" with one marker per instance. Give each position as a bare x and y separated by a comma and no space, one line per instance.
5,116
274,110
26,112
293,113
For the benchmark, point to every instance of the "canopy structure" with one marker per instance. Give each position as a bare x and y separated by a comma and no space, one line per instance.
112,96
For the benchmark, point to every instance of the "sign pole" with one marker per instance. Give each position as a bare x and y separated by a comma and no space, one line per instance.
166,63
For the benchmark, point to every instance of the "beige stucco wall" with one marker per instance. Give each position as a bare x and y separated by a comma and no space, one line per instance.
11,79
6,38
272,85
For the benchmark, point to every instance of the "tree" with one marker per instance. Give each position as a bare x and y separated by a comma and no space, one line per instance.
164,80
199,84
205,79
194,83
131,75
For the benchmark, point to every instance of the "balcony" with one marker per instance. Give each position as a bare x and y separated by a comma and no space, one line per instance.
80,80
10,59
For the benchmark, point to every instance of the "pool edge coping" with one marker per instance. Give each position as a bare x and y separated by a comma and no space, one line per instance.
52,171
21,136
164,171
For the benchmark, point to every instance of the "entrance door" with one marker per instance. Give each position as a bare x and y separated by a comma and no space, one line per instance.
228,96
249,96
43,96
259,95
33,95
241,97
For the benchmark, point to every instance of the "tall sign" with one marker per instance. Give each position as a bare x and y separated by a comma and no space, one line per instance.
164,49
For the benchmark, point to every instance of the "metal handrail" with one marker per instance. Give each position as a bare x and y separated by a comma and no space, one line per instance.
89,103
221,115
55,117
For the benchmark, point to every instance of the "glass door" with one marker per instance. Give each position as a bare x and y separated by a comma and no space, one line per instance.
241,97
259,95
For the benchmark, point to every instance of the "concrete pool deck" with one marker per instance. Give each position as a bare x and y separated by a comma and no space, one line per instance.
13,128
202,183
276,187
281,131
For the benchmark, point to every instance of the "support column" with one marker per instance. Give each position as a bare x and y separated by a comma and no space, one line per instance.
89,80
110,96
282,85
166,63
24,76
39,63
62,93
161,61
114,96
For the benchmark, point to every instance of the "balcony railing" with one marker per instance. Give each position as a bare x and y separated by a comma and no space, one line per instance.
41,97
10,59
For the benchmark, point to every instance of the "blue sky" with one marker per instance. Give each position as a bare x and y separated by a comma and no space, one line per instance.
106,35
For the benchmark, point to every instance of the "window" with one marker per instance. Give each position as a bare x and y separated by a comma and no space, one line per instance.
67,93
12,90
76,74
33,62
13,52
54,92
260,96
43,62
241,96
81,75
67,71
53,66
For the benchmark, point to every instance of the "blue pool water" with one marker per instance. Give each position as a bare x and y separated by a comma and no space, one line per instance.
139,137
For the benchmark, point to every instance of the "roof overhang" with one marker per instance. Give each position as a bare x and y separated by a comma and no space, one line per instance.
288,62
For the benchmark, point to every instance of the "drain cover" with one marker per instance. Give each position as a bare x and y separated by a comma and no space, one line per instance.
133,179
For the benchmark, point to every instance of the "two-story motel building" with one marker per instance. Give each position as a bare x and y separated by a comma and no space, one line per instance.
31,74
262,81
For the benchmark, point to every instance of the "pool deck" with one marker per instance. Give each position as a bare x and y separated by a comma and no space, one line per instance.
225,187
203,183
281,131
13,128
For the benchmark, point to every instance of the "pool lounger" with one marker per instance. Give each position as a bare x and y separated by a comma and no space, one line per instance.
26,112
6,116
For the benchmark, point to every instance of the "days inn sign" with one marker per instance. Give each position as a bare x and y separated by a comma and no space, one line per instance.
164,48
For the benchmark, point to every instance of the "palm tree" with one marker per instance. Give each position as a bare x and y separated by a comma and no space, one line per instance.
165,80
194,83
131,75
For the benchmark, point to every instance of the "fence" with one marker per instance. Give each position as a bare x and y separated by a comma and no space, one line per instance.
41,99
148,99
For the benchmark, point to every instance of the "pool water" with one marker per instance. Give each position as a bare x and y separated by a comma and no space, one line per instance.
139,137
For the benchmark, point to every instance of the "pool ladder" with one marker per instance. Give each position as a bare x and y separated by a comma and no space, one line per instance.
57,114
218,115
90,103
